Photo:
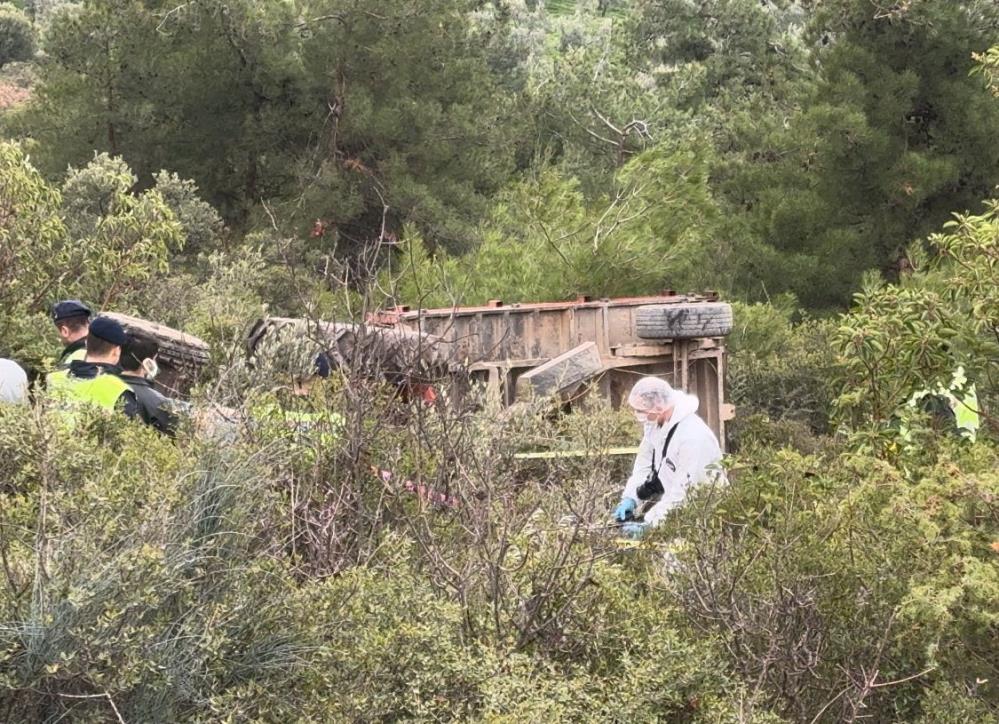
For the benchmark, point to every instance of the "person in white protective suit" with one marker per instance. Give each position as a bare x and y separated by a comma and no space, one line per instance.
678,450
13,382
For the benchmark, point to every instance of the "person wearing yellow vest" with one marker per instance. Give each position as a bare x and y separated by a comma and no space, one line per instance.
94,380
954,407
72,321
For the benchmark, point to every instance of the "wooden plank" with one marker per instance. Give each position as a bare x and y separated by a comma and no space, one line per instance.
614,363
642,350
508,364
567,370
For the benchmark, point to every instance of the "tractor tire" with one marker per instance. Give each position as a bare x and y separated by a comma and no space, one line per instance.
683,321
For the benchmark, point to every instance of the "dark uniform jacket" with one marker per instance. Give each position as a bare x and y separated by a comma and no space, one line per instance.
149,405
79,369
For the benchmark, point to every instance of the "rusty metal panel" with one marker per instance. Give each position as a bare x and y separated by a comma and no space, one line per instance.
705,382
621,326
588,328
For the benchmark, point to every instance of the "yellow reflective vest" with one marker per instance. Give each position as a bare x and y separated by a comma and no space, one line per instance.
104,390
67,358
76,354
961,397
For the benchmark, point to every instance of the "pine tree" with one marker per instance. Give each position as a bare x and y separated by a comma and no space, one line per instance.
894,138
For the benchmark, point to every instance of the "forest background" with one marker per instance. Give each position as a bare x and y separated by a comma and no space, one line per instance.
827,165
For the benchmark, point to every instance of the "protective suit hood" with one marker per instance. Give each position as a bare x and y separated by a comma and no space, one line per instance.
684,405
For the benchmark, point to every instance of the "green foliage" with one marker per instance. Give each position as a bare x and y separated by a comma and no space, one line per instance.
950,704
201,224
118,240
893,138
95,240
844,130
326,108
271,564
137,595
781,369
217,300
721,51
274,574
32,248
17,37
904,338
848,574
544,240
989,67
594,112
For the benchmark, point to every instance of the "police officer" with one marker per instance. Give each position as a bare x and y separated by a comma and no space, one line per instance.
95,379
138,368
72,319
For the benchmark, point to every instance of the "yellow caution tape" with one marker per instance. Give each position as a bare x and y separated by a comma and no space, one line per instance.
552,454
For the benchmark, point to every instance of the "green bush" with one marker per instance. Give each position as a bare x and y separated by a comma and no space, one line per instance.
824,574
274,576
17,37
781,370
95,241
906,337
201,223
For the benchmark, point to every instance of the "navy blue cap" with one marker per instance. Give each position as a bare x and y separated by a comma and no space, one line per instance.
69,308
322,363
108,330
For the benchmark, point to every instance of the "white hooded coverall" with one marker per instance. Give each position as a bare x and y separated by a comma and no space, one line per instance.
693,456
13,382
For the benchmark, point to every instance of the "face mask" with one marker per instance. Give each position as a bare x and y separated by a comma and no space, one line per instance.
150,367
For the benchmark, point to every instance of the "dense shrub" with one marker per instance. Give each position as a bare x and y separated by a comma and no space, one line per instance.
839,585
781,370
17,37
276,576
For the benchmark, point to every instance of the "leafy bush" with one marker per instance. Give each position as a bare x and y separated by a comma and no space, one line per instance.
201,223
840,586
96,241
781,370
277,574
33,252
17,37
903,338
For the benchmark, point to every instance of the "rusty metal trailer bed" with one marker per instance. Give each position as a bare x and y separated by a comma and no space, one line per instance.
503,343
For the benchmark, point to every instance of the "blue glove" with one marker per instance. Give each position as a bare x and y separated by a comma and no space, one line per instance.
625,509
634,530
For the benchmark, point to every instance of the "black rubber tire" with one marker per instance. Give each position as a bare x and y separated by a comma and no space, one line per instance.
683,321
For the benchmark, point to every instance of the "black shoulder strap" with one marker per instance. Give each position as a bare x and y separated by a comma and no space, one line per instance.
669,437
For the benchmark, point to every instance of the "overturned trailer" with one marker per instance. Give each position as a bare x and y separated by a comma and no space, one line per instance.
565,348
552,348
395,354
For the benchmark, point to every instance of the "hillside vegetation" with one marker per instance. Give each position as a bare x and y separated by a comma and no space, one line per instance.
829,167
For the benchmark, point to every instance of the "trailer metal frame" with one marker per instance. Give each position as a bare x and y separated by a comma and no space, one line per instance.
500,342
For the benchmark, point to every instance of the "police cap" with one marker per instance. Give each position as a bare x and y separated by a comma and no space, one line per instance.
69,308
109,330
322,365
